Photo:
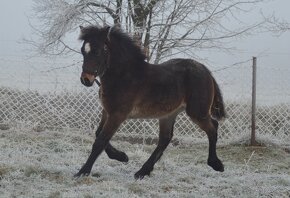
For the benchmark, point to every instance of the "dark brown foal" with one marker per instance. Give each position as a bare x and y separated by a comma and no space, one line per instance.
133,88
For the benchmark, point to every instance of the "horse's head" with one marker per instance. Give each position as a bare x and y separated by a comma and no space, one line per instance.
95,53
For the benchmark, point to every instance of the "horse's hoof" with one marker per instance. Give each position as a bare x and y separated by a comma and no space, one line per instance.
139,175
123,157
216,164
142,173
82,173
120,156
96,175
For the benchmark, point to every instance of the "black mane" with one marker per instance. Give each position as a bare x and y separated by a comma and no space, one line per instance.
121,42
122,47
91,32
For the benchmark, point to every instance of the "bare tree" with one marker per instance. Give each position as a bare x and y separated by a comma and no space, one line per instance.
162,27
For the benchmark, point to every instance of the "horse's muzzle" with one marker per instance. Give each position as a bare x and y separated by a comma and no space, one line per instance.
87,79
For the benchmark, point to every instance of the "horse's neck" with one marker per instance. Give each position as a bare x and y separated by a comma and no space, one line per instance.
124,72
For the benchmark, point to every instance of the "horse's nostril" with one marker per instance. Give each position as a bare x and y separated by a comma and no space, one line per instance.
85,81
82,81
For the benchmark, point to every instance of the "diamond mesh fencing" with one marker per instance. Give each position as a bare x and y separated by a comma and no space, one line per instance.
76,107
273,111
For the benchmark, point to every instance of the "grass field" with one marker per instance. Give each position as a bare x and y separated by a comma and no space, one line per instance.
42,164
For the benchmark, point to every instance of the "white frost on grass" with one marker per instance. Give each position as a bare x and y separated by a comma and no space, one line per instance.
42,164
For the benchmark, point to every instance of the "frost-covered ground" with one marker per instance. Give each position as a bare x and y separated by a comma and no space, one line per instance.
41,164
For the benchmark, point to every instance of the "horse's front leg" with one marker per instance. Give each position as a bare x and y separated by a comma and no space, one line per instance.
165,135
112,152
110,127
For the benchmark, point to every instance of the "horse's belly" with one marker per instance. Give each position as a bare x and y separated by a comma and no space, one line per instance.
155,111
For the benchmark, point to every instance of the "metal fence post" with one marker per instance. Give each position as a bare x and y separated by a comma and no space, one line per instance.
253,124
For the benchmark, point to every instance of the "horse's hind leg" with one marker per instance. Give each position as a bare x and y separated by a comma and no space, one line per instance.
112,152
165,135
210,126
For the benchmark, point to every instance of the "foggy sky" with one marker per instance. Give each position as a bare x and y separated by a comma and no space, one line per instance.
271,49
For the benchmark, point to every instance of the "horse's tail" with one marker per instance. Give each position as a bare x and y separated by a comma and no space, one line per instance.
218,107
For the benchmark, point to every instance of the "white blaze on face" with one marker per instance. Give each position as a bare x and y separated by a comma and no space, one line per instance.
87,48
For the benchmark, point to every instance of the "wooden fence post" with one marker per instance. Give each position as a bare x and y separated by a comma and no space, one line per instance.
253,124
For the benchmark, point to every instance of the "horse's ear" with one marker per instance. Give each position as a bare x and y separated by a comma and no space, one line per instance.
118,26
108,38
82,29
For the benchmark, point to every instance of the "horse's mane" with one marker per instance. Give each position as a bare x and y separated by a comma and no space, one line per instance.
90,33
121,44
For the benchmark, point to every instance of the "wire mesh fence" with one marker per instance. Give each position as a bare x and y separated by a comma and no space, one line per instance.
79,107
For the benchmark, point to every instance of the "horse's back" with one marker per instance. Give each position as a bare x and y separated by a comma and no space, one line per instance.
189,66
191,71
